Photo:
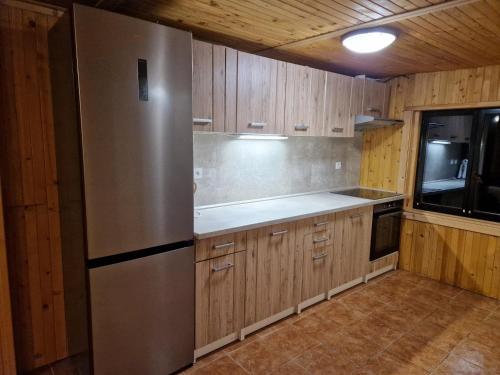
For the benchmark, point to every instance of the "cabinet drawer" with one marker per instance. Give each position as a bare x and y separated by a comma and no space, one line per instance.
319,224
318,239
221,245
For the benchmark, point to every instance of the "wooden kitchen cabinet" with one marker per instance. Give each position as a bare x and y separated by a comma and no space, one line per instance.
315,255
270,272
260,94
220,245
220,284
304,100
339,120
214,87
351,247
375,98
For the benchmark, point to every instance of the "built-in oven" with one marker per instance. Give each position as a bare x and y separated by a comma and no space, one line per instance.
386,228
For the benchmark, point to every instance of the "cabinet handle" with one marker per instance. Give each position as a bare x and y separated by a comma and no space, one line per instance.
338,130
202,121
279,233
301,127
223,245
320,240
321,224
257,125
370,109
224,267
319,256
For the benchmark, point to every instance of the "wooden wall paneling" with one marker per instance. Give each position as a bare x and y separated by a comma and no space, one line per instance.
7,355
454,256
31,193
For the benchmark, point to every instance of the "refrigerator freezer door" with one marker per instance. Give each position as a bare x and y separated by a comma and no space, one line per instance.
134,80
142,314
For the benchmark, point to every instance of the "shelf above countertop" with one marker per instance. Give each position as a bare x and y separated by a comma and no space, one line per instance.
230,218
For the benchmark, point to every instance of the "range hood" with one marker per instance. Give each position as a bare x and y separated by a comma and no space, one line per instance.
362,122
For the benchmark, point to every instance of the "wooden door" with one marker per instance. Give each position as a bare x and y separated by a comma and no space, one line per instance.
260,101
219,297
297,100
351,248
270,271
202,86
317,101
339,121
211,73
7,358
375,98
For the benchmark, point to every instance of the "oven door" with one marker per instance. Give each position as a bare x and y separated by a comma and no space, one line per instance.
386,231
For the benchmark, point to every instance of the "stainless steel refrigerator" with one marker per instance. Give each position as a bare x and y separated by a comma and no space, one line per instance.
134,89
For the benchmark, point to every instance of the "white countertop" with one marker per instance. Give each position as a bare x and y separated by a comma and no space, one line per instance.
224,219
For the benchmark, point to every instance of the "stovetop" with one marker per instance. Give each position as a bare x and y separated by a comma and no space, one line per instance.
366,193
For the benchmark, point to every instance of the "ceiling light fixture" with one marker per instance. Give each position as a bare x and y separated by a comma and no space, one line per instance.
369,40
266,137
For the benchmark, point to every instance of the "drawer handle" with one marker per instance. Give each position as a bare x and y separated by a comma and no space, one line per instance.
257,125
338,130
319,256
202,121
223,245
224,267
323,223
279,233
301,127
320,240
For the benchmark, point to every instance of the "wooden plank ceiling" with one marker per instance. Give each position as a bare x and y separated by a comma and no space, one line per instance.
460,35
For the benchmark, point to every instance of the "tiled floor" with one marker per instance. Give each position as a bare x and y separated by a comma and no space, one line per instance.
399,323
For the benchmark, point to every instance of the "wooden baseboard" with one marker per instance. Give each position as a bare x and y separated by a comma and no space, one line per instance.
381,271
311,301
344,287
261,324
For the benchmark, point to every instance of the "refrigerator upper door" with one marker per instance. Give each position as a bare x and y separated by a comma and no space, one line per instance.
143,314
134,80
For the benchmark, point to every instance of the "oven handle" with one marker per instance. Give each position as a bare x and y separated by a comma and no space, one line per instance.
388,214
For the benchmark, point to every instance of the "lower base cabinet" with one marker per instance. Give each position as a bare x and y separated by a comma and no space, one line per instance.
257,277
220,286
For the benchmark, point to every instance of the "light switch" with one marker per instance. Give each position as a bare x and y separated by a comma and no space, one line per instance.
338,165
198,173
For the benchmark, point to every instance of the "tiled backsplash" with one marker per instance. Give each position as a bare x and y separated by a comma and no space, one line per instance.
235,170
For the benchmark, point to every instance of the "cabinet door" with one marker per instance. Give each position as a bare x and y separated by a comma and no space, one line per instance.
202,86
317,101
257,98
339,122
375,98
297,100
219,297
209,87
351,248
317,262
270,271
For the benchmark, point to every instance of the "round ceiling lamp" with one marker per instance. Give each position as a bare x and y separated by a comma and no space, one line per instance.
369,40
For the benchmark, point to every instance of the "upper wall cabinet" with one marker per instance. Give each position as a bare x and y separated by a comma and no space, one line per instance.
260,102
339,119
214,87
375,98
304,100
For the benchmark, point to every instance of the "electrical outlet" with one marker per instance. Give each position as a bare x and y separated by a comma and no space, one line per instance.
198,173
338,165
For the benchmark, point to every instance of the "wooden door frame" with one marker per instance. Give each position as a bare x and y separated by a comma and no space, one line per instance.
7,355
